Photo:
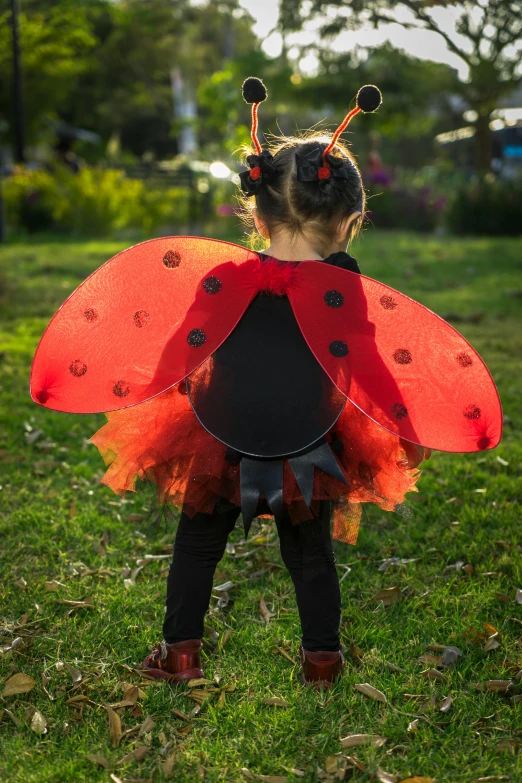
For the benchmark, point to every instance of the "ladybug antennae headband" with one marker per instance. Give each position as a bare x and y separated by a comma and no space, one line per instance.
322,166
368,100
261,166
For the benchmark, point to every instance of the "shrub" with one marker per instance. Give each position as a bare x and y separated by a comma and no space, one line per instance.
95,201
400,207
490,207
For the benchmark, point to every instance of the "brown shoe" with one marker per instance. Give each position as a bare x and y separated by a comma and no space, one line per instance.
320,669
175,662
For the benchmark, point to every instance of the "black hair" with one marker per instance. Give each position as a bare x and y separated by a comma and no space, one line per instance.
308,208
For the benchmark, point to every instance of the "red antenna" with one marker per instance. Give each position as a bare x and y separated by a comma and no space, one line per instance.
254,92
368,100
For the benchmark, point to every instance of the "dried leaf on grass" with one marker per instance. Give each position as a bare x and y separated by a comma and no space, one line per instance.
53,584
124,703
272,778
354,740
332,763
115,732
224,587
132,692
263,608
495,686
181,715
450,655
508,744
413,725
167,766
81,699
15,644
417,779
385,777
136,755
282,651
388,596
357,763
445,704
368,690
199,681
18,683
147,725
101,760
131,581
492,643
394,668
38,723
433,674
430,660
74,674
276,701
200,696
76,605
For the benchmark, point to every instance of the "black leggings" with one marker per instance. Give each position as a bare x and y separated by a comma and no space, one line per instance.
199,546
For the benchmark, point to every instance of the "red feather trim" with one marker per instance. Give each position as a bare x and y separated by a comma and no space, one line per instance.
273,276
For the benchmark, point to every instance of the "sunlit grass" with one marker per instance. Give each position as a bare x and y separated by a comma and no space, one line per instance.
57,523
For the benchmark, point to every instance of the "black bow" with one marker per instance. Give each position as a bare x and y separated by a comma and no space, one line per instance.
265,162
263,476
309,163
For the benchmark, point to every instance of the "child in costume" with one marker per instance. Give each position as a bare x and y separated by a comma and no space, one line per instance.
280,383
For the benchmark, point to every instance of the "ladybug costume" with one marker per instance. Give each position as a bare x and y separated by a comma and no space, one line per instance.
275,385
238,382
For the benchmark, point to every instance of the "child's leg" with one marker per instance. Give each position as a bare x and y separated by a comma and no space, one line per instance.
199,546
315,580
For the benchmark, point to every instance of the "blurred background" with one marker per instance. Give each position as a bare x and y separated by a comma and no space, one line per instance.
123,118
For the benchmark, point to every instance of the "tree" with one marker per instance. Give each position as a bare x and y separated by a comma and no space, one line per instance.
487,36
55,47
105,65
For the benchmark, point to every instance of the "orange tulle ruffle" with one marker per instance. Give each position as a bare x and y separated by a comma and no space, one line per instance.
162,440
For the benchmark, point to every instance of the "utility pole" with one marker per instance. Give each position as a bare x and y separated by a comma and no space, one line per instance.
17,84
228,43
2,214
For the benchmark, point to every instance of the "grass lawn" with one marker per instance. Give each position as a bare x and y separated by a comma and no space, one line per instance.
456,562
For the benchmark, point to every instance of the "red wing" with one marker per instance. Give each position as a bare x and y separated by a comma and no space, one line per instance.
401,364
140,324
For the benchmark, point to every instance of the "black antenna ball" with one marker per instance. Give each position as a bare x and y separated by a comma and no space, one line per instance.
369,98
254,91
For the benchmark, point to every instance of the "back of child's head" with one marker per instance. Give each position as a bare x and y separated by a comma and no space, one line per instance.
308,208
306,184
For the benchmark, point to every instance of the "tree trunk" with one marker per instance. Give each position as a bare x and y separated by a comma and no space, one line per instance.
483,144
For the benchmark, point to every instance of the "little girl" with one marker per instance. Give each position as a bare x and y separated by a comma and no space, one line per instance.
303,217
263,414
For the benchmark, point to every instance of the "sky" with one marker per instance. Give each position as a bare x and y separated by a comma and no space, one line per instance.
423,44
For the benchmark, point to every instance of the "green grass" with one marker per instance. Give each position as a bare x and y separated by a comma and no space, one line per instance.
58,523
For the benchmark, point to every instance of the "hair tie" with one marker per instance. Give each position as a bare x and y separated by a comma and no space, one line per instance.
262,169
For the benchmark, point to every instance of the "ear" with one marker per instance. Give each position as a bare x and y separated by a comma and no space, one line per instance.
261,226
345,226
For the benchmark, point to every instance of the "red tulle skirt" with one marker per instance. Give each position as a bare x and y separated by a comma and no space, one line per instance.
162,440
